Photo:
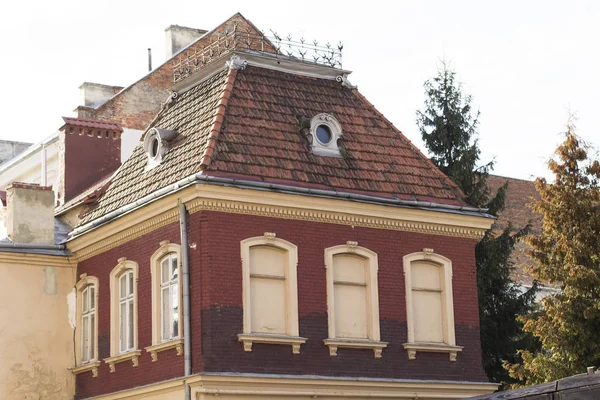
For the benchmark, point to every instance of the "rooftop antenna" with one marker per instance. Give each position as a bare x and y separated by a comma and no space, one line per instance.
149,60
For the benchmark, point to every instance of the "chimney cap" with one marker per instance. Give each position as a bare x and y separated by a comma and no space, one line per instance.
184,28
25,185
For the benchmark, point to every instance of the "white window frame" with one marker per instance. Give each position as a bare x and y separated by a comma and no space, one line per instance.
132,354
159,344
449,344
291,336
373,339
82,287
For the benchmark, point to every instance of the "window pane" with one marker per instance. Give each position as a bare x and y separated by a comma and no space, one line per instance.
92,336
164,270
268,310
350,268
130,325
267,260
84,339
427,311
166,320
130,286
84,300
123,286
174,269
175,312
123,326
351,311
426,275
92,298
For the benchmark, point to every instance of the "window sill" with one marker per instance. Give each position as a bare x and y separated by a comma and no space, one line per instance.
90,366
133,355
249,338
412,349
376,346
176,344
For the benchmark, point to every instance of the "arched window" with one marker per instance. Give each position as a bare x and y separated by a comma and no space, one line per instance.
270,292
165,268
352,298
430,308
123,314
86,353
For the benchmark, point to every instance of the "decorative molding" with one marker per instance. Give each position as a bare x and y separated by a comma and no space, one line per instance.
133,355
412,349
270,237
351,246
173,344
427,253
127,235
37,260
237,207
375,345
91,366
276,205
249,339
343,79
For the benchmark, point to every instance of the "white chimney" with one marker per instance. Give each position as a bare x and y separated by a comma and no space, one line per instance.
93,94
30,216
177,37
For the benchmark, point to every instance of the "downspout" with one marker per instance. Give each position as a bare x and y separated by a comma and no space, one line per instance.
185,272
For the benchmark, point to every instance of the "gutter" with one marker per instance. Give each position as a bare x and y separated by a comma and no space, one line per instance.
201,178
34,246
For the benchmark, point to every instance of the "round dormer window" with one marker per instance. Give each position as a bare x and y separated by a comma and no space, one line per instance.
325,132
156,144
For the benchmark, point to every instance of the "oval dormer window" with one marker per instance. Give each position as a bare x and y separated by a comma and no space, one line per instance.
325,132
156,144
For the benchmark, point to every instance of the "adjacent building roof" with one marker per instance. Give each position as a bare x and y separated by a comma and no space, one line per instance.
91,124
519,195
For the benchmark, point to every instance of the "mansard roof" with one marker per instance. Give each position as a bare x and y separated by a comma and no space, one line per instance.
246,124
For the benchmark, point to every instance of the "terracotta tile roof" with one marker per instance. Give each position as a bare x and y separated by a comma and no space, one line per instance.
261,138
245,124
192,115
92,124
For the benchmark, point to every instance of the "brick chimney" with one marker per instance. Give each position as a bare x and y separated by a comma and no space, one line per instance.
93,94
89,150
177,37
30,216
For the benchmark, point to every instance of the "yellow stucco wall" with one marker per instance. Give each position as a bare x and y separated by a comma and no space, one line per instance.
36,346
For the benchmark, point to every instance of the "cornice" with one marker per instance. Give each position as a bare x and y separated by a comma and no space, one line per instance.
37,260
275,205
332,217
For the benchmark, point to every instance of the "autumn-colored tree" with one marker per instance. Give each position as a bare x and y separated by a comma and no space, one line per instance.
566,253
449,129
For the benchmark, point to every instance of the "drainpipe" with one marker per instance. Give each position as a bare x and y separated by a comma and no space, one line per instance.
185,271
44,171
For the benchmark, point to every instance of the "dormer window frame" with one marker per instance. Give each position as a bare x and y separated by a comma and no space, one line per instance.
157,144
322,124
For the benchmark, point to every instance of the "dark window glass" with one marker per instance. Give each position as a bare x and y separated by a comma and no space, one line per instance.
323,134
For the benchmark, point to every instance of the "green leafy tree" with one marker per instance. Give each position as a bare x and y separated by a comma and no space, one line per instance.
448,126
566,253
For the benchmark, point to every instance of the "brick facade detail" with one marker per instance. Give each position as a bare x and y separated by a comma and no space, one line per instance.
216,309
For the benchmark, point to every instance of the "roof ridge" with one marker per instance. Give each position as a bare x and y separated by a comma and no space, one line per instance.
218,119
410,144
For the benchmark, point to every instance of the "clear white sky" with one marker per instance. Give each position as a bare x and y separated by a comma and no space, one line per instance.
526,63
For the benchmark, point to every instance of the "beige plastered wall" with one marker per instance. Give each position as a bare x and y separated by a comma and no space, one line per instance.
36,346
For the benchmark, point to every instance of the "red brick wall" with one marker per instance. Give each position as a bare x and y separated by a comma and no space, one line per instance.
169,365
216,309
222,302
